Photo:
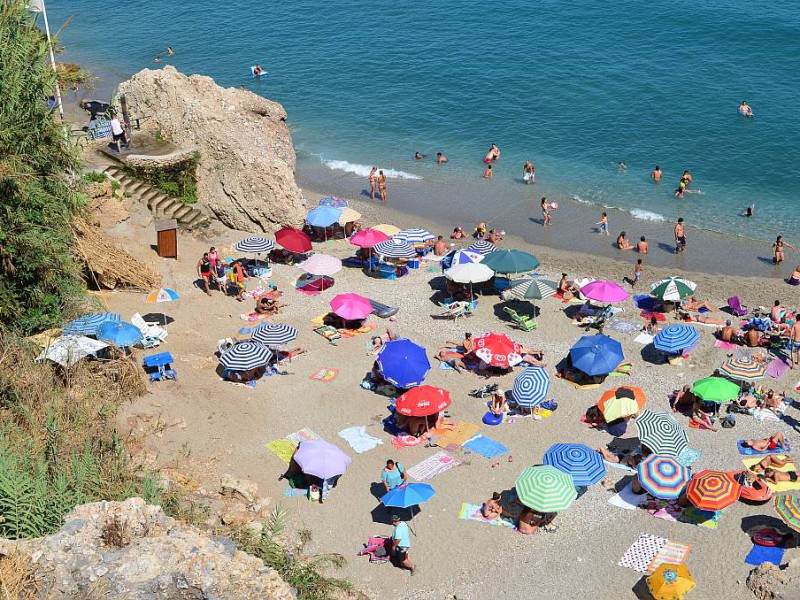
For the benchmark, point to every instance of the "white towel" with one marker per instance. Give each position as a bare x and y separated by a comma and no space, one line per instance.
644,339
627,499
359,439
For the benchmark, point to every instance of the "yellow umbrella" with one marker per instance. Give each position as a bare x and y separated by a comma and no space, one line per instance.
670,582
348,216
389,230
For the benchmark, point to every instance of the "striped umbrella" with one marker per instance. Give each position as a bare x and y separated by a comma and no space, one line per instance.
274,334
545,489
321,264
617,404
254,245
88,324
482,247
661,433
531,387
675,338
335,202
394,249
744,369
788,509
663,476
581,462
532,288
713,490
673,289
245,356
715,389
414,236
670,582
162,295
498,350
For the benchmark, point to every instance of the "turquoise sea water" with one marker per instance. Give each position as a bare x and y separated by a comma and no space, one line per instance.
575,86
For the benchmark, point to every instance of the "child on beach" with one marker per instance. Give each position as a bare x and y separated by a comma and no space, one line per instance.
637,272
603,224
480,231
487,174
545,212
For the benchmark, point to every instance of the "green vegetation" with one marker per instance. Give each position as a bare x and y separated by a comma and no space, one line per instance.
94,177
70,75
179,181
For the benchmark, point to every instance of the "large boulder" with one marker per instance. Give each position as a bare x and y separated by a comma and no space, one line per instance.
770,582
247,161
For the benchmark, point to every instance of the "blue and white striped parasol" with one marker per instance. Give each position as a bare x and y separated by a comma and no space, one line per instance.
88,324
394,249
414,236
255,245
584,464
482,247
675,338
531,387
274,334
245,356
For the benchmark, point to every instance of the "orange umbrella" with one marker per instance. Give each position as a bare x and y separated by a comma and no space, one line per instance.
614,407
713,490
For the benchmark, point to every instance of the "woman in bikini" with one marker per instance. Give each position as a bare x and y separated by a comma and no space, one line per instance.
382,186
372,182
530,521
454,353
701,417
773,442
491,509
623,243
779,250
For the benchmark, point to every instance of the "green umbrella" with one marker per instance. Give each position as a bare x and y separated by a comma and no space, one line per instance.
673,289
546,489
510,261
716,389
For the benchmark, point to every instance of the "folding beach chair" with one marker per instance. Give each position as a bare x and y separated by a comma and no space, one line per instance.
524,322
736,307
454,310
159,367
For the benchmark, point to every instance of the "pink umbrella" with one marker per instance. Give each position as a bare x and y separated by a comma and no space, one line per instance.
367,238
604,291
321,264
351,306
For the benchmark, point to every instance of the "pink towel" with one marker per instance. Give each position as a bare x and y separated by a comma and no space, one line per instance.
725,345
777,368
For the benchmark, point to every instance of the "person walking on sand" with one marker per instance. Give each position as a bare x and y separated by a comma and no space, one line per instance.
372,182
680,237
528,172
657,174
393,475
637,272
545,212
794,343
204,272
401,544
603,224
382,186
779,250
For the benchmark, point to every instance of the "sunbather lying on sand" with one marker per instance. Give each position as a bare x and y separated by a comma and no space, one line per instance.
530,521
769,461
491,509
696,305
629,460
379,340
776,440
690,318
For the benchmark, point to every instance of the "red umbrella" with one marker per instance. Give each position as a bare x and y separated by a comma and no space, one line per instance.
498,350
713,490
422,401
293,240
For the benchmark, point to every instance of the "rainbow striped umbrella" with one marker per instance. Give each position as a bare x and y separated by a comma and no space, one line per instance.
788,509
584,464
546,489
713,490
663,476
744,369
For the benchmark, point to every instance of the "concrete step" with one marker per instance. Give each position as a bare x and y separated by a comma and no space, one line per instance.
180,212
198,220
147,196
133,186
161,203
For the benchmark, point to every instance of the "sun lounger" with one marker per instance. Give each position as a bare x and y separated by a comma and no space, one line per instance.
524,322
598,320
153,335
455,310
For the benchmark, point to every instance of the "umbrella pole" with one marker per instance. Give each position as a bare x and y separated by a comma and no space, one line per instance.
411,510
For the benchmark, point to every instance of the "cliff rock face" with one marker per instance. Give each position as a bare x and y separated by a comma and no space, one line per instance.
769,582
247,161
133,551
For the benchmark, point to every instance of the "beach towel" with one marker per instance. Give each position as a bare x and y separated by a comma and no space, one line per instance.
432,466
348,333
643,339
725,345
689,456
404,440
750,452
582,386
472,512
627,499
642,552
707,519
765,414
319,319
783,486
324,375
328,332
625,327
253,317
485,446
282,448
649,314
777,368
761,554
304,435
359,439
672,553
291,492
443,366
620,467
460,432
668,510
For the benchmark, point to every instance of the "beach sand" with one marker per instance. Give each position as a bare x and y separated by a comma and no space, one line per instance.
227,427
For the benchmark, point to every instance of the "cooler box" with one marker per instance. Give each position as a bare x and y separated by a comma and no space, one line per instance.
413,263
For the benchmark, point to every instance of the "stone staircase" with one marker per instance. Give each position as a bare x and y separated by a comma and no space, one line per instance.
161,205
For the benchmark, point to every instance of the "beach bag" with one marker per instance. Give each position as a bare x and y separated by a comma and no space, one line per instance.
313,494
729,421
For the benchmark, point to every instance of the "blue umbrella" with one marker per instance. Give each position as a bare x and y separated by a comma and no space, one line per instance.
245,356
596,354
323,216
408,496
119,333
531,387
403,363
88,324
675,338
584,464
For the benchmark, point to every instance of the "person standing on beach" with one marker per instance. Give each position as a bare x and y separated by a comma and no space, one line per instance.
372,184
603,225
382,186
779,250
637,272
204,272
657,174
401,543
118,133
680,237
545,212
794,343
529,172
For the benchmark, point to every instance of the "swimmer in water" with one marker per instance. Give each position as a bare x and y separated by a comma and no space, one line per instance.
257,70
170,52
748,212
487,174
745,109
622,166
441,158
157,58
418,156
657,174
492,155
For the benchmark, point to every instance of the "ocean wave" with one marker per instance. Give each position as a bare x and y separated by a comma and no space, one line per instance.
363,170
646,215
577,198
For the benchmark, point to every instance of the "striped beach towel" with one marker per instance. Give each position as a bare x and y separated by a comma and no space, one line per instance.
672,553
432,466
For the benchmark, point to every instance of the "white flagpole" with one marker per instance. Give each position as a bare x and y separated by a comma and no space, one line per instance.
38,6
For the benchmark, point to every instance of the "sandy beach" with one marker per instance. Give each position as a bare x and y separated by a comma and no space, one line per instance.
222,428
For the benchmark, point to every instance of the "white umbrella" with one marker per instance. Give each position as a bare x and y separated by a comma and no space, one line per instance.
469,273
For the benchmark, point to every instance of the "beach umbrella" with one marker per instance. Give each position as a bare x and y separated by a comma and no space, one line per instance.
245,356
394,249
510,261
675,338
462,257
422,401
531,387
69,349
663,476
389,230
482,247
585,465
469,273
348,216
713,490
162,295
351,306
119,333
617,403
788,508
596,354
403,363
715,389
604,291
532,288
661,433
744,369
408,496
274,334
670,582
497,350
545,489
321,264
323,216
673,289
254,245
414,236
293,240
367,238
88,324
321,459
334,201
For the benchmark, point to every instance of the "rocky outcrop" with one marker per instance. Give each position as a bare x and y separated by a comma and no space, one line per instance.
133,551
769,582
247,161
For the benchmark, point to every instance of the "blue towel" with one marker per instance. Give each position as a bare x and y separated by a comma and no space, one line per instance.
485,446
443,366
762,554
750,452
647,302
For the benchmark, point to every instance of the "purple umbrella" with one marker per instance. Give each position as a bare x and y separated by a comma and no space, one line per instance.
604,291
321,459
